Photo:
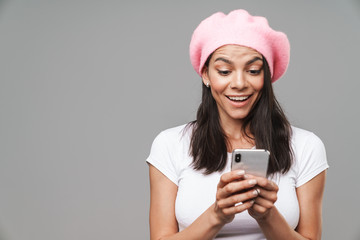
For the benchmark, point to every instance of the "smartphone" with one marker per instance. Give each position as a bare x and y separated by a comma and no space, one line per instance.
253,161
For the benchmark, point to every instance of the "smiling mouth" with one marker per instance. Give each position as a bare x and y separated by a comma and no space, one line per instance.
239,99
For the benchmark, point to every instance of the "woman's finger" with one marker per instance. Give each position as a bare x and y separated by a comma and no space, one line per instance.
238,208
234,187
263,202
264,183
258,209
266,194
237,198
230,177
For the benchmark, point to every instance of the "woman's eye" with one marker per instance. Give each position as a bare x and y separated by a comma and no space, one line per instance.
224,72
254,72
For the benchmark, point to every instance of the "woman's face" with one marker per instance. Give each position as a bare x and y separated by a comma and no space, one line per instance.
236,77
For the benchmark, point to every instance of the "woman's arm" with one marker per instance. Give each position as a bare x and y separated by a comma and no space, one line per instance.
310,197
273,224
163,224
162,205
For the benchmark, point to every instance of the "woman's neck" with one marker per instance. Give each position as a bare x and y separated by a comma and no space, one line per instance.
235,135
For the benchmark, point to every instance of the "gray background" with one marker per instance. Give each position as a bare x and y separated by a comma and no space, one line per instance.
85,86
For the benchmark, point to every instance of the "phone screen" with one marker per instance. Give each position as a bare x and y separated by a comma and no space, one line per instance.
253,161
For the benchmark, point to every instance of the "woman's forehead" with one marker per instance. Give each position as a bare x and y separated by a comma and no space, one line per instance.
235,52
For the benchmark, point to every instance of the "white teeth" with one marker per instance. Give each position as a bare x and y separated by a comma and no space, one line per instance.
239,98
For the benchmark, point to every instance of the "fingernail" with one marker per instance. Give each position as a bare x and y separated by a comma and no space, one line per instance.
258,191
252,202
255,192
252,182
240,172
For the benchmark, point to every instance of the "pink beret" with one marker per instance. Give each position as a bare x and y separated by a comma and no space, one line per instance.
240,28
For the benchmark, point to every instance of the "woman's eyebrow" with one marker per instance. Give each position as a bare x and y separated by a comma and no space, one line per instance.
224,60
254,60
230,62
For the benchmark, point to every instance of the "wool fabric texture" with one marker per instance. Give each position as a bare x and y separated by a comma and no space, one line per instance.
240,28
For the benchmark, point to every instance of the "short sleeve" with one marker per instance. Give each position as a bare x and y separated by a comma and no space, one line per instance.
313,160
162,156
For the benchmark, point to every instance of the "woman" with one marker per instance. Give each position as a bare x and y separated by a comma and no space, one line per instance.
194,194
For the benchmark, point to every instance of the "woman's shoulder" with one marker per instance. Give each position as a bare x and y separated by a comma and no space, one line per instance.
169,151
177,131
309,155
301,136
175,134
307,145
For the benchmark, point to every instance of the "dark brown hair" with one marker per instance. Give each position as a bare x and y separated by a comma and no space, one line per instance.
266,122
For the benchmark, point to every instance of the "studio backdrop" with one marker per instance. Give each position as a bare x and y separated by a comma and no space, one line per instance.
85,86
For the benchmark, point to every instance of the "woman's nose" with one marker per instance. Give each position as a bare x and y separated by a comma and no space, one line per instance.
238,81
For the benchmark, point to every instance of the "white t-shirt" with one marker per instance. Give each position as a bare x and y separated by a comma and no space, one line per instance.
196,191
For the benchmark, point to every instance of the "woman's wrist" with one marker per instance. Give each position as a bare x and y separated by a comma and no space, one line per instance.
266,218
215,219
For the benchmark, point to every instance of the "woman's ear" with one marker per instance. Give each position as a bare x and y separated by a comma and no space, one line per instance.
205,76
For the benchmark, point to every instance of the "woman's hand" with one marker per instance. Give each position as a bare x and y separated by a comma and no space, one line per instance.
264,202
234,194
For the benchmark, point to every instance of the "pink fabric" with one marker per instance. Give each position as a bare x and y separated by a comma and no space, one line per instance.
240,28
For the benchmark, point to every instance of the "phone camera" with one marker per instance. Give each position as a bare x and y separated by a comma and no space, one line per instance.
238,157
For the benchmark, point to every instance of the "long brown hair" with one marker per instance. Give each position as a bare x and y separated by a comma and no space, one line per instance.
266,122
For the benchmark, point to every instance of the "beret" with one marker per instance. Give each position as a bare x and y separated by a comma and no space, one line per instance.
240,28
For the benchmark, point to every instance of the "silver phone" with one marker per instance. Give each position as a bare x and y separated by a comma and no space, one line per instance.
253,161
